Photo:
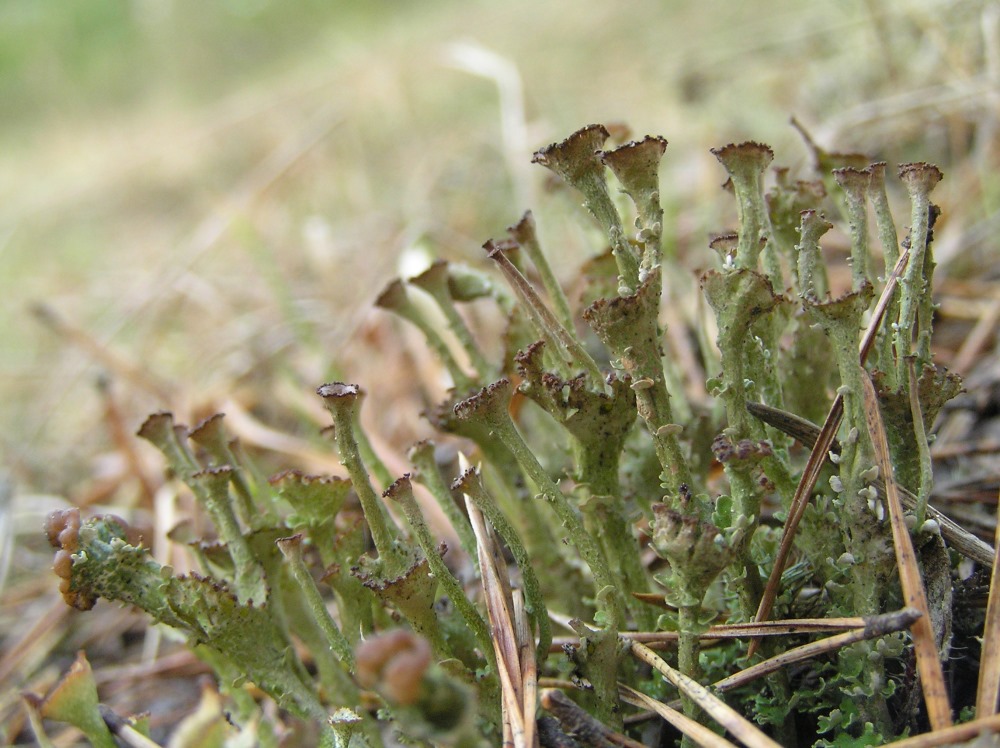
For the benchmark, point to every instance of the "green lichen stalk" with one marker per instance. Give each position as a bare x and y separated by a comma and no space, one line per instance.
621,501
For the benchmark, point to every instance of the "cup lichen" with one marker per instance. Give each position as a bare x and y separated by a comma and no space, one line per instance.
568,487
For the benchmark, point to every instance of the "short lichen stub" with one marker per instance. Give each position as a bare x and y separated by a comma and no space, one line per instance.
615,499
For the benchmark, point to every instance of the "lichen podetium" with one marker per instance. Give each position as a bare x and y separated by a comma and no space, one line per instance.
623,504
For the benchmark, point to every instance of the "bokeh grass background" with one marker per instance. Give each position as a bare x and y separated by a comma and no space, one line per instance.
204,187
200,199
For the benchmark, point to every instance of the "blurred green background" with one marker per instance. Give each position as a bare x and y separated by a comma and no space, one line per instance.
199,200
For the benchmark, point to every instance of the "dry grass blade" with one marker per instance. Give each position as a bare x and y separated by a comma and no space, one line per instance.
874,627
928,662
744,730
180,663
529,667
252,432
952,735
989,663
978,338
502,628
38,634
540,314
883,303
117,427
118,365
513,642
784,627
817,457
694,730
965,448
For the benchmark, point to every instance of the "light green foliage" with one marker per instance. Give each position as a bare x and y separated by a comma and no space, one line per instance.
579,462
247,634
74,700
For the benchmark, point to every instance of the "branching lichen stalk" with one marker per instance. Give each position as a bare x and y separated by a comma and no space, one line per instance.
291,549
212,487
210,435
577,161
401,492
340,400
890,253
436,282
427,473
920,179
855,184
628,326
490,406
395,298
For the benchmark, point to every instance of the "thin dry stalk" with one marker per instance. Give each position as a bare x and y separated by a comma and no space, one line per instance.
512,642
725,715
928,661
965,449
251,431
182,662
102,353
542,316
978,338
124,731
784,627
875,627
529,667
818,455
952,735
121,434
989,662
796,510
38,633
502,629
694,730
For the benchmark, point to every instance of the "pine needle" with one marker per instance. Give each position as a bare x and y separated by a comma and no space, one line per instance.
744,730
874,627
700,734
951,736
928,661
